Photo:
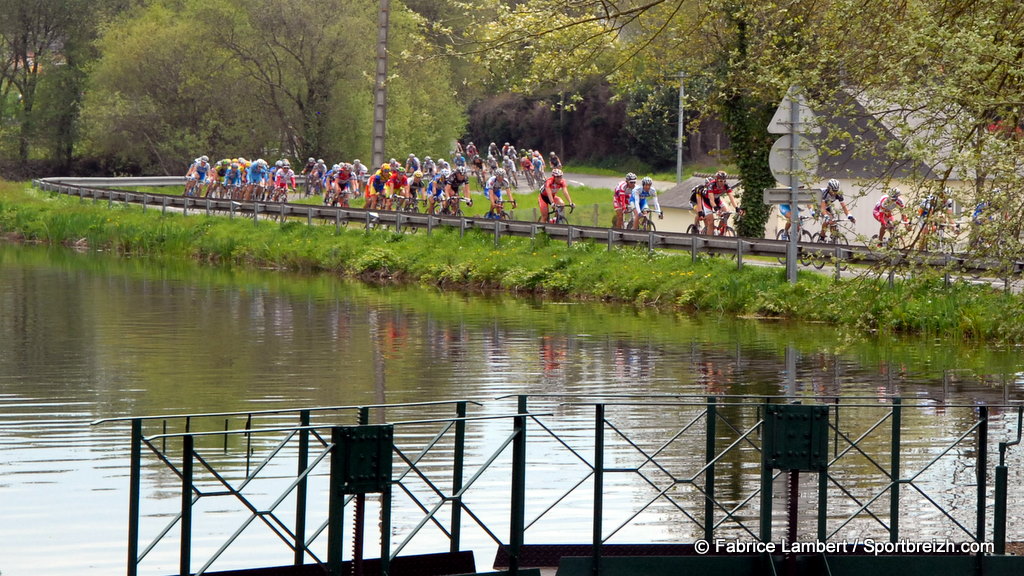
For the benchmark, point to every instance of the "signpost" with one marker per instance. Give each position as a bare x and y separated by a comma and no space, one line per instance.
791,157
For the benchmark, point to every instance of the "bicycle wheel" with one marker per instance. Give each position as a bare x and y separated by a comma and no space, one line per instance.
647,225
805,257
730,232
782,235
692,229
840,241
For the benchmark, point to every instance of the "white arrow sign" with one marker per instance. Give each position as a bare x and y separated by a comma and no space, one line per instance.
782,121
805,159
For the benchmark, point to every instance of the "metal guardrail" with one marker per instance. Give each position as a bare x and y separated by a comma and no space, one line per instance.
708,466
834,255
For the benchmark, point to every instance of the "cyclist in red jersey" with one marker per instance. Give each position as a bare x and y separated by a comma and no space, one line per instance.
620,198
549,193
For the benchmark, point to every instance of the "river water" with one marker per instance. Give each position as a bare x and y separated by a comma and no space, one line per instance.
85,337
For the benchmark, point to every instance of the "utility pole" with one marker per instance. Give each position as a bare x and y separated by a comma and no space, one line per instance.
380,89
682,123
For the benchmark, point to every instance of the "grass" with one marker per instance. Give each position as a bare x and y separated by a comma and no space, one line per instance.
521,265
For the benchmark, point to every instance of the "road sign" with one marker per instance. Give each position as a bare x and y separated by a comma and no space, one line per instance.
782,122
786,162
785,196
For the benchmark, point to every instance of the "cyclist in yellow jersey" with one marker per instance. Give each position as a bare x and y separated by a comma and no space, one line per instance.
379,186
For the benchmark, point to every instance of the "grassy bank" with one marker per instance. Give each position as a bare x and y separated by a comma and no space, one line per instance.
585,270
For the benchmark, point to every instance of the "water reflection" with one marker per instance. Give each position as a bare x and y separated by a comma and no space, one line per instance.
88,337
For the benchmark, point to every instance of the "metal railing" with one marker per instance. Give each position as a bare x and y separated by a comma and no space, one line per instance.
649,469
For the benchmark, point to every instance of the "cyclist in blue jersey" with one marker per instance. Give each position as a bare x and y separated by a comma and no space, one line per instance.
196,175
435,189
643,197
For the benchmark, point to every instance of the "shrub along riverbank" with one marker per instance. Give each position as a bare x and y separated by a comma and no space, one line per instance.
519,265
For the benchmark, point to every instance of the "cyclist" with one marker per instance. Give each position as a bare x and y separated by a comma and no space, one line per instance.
621,198
478,167
377,186
399,186
412,164
549,193
527,166
233,176
435,189
284,180
722,189
416,186
538,167
310,164
639,199
257,177
704,205
360,172
554,161
936,210
495,185
429,168
883,211
454,183
315,177
831,194
196,174
492,163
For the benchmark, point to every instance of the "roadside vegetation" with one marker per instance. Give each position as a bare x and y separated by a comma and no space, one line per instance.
520,266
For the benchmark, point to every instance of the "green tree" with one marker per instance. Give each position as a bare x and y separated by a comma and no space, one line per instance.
33,35
255,77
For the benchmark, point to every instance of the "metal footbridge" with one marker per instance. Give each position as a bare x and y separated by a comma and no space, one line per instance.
602,485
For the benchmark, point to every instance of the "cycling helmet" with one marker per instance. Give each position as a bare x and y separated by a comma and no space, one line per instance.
204,158
709,181
894,192
461,169
721,175
320,161
445,172
311,159
556,173
260,161
242,160
500,172
412,156
400,169
630,177
336,167
417,174
647,181
385,166
356,161
278,164
552,154
833,185
427,158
